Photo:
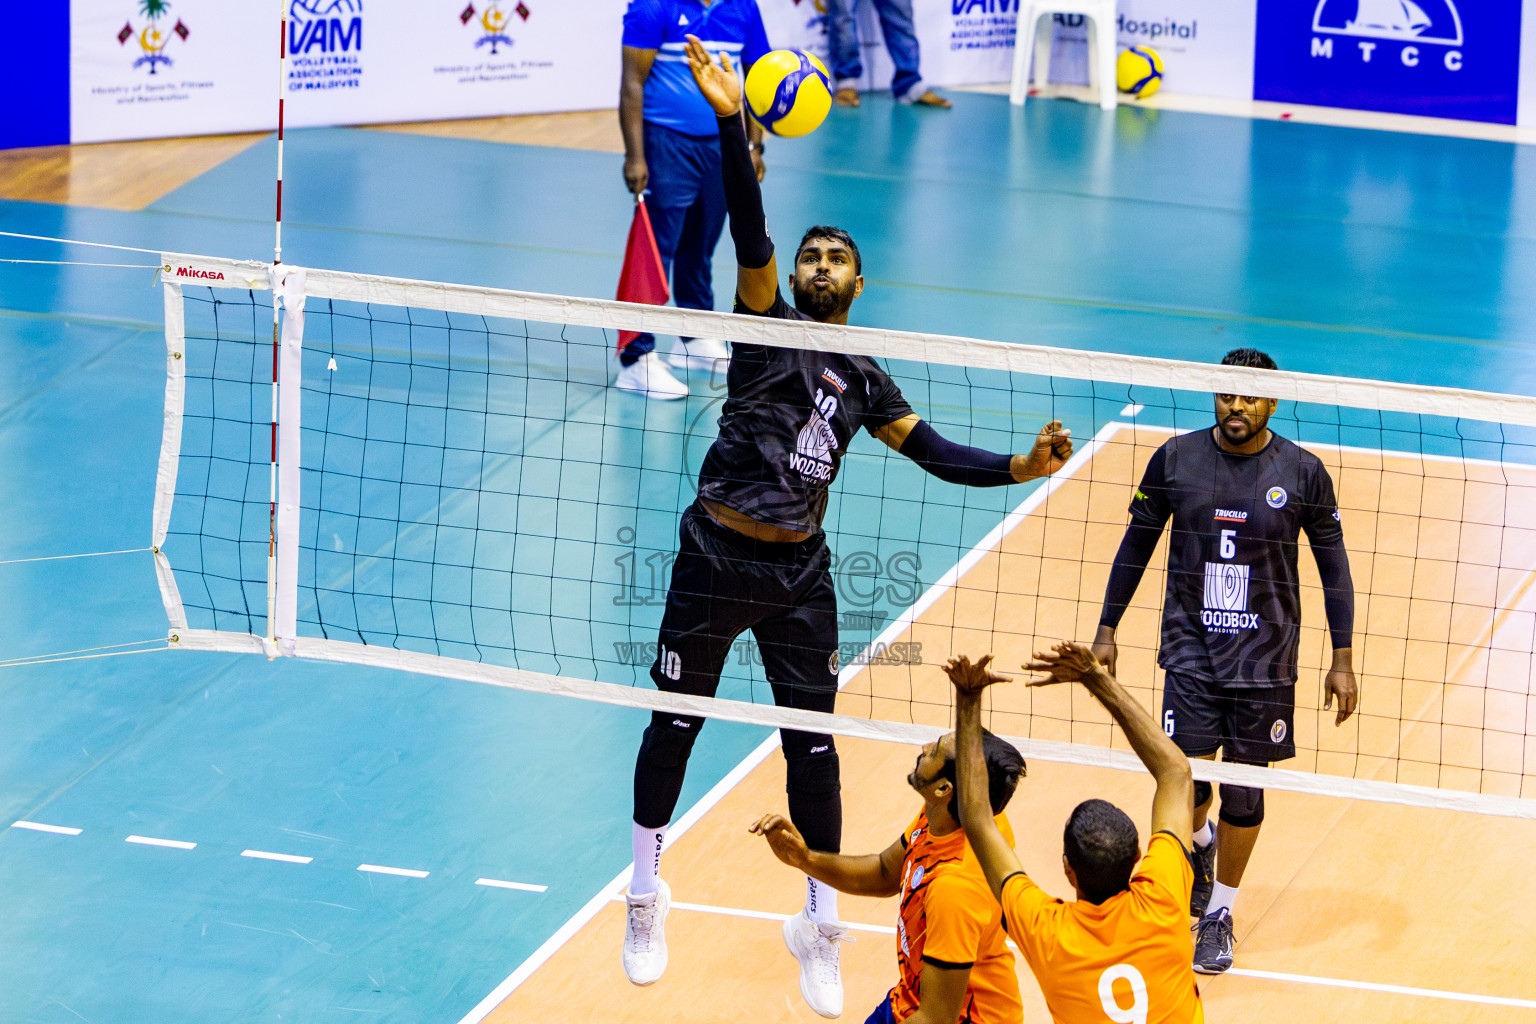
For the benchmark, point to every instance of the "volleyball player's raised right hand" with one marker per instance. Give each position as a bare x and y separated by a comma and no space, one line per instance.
718,81
969,680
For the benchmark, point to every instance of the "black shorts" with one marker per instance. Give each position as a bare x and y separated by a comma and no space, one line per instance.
725,583
1251,724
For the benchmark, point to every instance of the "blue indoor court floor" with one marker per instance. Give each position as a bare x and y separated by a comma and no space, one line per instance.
1337,250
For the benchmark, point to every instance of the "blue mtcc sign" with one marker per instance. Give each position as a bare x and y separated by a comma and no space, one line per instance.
1436,58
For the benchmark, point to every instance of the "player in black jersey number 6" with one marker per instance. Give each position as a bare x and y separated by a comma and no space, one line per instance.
1238,495
752,554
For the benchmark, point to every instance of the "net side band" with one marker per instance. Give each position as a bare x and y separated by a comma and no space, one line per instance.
1014,357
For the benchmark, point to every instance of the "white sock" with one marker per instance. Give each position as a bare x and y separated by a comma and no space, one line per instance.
647,844
1221,896
1206,836
820,902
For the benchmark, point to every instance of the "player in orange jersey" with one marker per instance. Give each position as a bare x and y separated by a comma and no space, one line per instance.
1122,950
954,961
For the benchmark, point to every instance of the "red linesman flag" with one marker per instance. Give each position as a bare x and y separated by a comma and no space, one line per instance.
643,278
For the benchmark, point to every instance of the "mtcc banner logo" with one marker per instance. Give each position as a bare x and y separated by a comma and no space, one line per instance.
1399,25
1434,58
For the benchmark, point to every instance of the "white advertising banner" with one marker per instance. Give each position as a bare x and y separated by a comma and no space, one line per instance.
962,42
1207,45
152,68
149,68
1527,115
408,60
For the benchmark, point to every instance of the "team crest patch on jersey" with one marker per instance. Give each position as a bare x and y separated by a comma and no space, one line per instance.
832,662
917,876
1277,497
1277,731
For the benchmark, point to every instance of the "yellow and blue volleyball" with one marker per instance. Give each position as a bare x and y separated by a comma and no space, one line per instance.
1139,71
789,92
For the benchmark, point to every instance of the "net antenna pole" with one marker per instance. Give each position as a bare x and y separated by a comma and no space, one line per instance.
277,258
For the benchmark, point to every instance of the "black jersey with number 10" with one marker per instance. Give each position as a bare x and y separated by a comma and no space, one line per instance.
1232,611
789,415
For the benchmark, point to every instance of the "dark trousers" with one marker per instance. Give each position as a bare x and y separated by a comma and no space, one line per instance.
686,201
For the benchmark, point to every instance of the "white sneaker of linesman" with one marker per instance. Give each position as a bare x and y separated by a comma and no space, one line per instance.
815,946
699,354
645,937
649,376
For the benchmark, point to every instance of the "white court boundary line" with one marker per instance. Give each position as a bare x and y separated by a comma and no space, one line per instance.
1298,979
605,895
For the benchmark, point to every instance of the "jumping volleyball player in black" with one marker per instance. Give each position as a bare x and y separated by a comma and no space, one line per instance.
1238,495
752,554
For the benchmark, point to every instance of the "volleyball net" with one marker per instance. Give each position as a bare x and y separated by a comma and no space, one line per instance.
439,479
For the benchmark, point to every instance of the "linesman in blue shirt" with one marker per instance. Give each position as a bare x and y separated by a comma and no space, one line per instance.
672,152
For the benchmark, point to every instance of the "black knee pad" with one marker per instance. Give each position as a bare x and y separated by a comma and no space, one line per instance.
1202,793
667,743
811,764
1242,806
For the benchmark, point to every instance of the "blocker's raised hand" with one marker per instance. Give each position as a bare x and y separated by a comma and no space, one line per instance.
1051,450
718,81
1066,662
968,679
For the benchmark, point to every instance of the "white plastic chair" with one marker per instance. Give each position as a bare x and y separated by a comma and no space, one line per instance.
1035,18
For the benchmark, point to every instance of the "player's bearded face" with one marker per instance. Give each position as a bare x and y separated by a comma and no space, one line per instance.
1240,418
825,283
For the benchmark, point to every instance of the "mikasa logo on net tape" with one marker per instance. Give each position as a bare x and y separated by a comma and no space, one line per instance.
194,272
1399,28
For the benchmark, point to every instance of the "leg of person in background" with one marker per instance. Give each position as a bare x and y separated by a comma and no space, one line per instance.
692,266
672,189
1242,812
901,43
1256,730
843,48
1204,859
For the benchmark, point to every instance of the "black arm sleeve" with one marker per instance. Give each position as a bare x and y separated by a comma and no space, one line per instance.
955,463
1325,532
743,195
1126,572
1150,509
1338,590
